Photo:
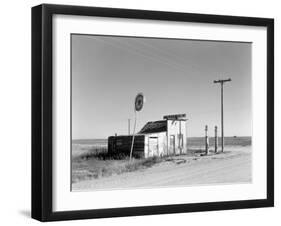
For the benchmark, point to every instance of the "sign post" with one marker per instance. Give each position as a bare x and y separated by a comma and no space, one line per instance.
139,101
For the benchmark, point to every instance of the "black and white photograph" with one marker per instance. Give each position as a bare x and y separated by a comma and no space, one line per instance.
145,112
159,112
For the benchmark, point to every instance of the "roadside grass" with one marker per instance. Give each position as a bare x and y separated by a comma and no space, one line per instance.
137,164
94,165
96,162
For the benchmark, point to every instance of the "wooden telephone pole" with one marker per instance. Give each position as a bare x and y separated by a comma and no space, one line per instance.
222,83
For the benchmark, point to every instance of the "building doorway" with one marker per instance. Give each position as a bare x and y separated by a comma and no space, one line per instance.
152,146
172,144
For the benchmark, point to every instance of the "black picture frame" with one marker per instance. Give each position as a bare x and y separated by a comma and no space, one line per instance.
42,111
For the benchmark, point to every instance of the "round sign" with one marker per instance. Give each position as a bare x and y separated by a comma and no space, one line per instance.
139,102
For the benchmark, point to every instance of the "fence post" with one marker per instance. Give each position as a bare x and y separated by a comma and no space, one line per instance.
206,141
216,139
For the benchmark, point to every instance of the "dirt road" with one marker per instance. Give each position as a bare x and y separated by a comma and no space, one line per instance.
231,167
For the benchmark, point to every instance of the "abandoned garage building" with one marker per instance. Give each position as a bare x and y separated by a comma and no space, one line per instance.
157,138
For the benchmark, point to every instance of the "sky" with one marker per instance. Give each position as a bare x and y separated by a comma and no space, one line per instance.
176,76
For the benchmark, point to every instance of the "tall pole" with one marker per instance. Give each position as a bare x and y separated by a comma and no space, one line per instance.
222,134
139,101
133,138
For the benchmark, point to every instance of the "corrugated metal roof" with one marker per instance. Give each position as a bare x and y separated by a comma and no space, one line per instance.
154,127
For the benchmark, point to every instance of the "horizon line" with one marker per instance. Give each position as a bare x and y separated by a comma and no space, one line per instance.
187,137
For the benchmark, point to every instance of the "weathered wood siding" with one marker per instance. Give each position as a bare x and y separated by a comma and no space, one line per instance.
155,144
169,142
122,144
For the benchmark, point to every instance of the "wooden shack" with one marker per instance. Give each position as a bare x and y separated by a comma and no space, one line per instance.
157,138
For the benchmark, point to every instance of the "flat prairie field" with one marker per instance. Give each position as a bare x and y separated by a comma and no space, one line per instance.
93,169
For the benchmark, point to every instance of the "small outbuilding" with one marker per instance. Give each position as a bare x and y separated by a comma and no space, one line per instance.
157,138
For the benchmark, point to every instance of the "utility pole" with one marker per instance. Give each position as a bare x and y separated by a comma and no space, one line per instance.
222,83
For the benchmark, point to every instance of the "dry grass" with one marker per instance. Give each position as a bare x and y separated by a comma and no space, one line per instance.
91,160
94,165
